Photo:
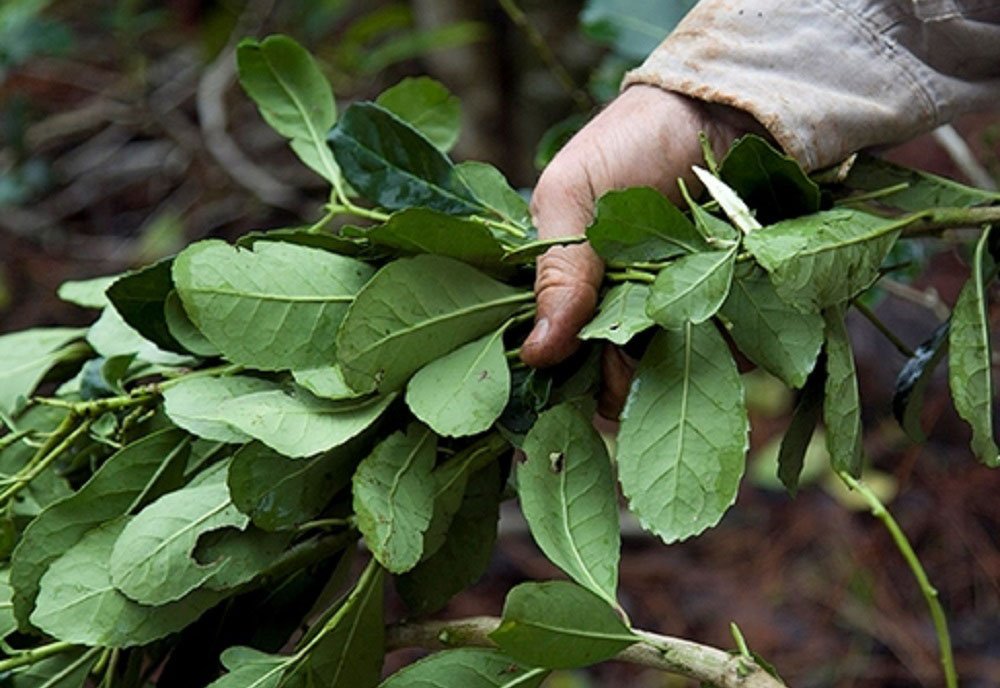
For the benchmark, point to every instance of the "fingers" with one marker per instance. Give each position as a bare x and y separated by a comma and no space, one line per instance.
617,369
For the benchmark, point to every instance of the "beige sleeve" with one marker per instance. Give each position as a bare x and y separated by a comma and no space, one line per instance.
830,77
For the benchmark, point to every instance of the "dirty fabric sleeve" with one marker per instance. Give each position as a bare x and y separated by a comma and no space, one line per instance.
830,77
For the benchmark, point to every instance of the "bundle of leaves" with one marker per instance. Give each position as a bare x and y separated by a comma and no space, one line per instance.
209,452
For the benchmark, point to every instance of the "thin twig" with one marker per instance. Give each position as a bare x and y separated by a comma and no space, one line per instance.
900,345
963,157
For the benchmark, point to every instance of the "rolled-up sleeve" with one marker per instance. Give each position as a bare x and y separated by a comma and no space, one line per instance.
830,77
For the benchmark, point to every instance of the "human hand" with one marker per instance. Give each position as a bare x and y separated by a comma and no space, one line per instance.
645,137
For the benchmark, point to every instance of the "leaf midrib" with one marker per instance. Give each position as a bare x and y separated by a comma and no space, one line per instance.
280,298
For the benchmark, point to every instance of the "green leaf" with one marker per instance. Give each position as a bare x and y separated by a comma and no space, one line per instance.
568,497
465,552
632,27
394,497
421,230
88,293
393,165
25,358
913,378
970,366
709,226
841,404
139,298
691,288
196,404
729,201
111,336
795,444
293,97
621,315
250,668
780,339
465,391
130,478
8,622
559,625
823,259
238,556
427,106
683,437
297,424
47,487
183,330
279,493
153,559
326,383
67,670
466,667
494,192
770,182
273,308
414,311
923,190
77,602
640,225
349,649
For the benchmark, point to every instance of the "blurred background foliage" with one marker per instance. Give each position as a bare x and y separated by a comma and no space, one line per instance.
124,136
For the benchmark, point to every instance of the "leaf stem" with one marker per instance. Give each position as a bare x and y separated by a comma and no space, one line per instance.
535,246
675,655
215,371
936,220
13,438
327,523
54,447
630,275
873,195
35,655
930,593
900,345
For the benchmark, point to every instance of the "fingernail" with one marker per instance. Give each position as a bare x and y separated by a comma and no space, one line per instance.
539,333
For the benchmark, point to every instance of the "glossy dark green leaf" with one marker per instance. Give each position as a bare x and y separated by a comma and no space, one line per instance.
569,500
841,404
25,358
466,667
970,364
427,106
394,497
683,438
913,378
621,315
782,340
139,298
293,97
414,311
795,443
278,492
393,165
691,289
640,224
559,625
304,236
273,308
770,182
923,190
823,259
130,478
465,553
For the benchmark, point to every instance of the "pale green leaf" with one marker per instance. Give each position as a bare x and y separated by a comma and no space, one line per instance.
691,289
823,259
8,623
683,438
297,424
622,314
730,202
77,602
326,383
111,336
494,192
428,107
139,297
568,497
273,308
465,391
278,492
466,667
841,403
559,625
640,224
25,358
970,366
196,404
293,97
128,479
183,330
414,311
782,340
394,497
153,559
87,293
250,668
